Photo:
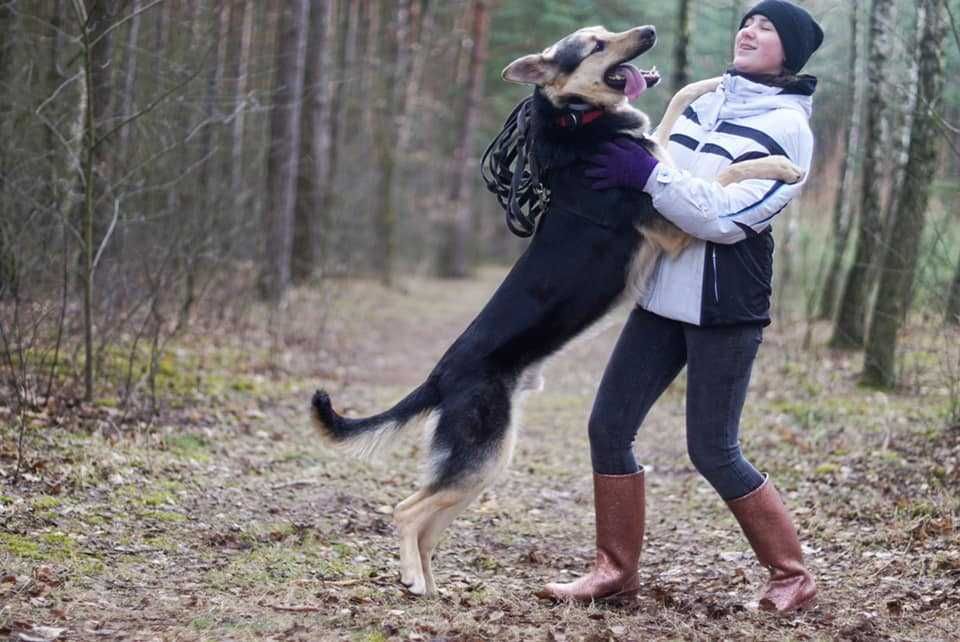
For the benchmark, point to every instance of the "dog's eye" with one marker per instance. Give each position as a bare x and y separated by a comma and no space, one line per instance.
600,46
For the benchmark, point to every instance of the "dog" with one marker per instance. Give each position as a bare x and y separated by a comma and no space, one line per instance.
586,246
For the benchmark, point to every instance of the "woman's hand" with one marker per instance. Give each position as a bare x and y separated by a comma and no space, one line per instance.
621,163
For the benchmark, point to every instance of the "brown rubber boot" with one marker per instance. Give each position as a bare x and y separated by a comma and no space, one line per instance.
770,531
619,507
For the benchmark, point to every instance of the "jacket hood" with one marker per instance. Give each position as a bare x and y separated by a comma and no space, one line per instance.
741,96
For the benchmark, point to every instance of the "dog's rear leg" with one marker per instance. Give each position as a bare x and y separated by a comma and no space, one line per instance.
410,566
411,521
432,532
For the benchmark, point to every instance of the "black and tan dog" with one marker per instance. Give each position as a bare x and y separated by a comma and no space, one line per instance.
575,268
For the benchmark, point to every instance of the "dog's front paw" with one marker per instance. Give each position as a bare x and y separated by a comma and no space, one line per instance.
789,173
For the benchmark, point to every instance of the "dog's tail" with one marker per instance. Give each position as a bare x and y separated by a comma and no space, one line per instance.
364,436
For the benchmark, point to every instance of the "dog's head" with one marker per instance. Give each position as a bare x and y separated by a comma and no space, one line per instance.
589,66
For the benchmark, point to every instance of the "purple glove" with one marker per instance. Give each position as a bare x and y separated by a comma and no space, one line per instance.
621,163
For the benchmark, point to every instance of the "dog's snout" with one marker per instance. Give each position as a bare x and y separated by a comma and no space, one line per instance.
648,33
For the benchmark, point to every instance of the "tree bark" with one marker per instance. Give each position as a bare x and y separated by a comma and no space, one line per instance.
900,262
311,220
282,158
458,251
94,22
849,327
900,147
389,115
240,105
129,75
419,52
953,301
843,210
681,46
8,263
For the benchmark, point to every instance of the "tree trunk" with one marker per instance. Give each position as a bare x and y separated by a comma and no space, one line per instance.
8,264
900,147
284,149
311,220
129,75
849,328
953,301
681,46
240,105
843,209
458,250
900,262
419,52
389,115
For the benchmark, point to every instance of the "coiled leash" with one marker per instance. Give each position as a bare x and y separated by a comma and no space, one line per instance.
510,171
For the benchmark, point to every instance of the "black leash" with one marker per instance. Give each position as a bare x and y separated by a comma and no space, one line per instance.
510,172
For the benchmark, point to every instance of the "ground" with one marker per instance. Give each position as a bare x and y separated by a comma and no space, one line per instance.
226,519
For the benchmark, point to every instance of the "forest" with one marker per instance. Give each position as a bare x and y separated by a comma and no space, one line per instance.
210,208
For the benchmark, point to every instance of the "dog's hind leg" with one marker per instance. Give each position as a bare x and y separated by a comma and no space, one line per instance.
413,520
432,532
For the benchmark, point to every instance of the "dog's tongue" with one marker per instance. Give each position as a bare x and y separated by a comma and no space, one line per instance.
636,83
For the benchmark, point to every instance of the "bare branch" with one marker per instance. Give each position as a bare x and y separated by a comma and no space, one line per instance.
953,24
112,27
106,237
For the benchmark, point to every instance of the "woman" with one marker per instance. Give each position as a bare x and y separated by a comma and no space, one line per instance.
706,308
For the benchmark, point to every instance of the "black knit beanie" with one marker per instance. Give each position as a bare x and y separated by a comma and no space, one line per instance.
799,32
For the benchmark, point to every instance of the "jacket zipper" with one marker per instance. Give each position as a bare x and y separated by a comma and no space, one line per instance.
716,275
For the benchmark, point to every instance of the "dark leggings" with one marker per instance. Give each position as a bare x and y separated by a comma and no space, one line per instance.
649,354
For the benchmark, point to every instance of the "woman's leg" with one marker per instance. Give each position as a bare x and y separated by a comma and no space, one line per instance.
718,373
649,354
717,377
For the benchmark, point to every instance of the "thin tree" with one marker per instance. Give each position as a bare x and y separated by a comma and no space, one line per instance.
847,196
953,301
850,323
681,46
461,196
8,26
283,155
95,23
385,127
900,262
240,106
311,219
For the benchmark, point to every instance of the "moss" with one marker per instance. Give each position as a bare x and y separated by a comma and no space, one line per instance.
189,447
824,470
45,502
44,547
162,516
370,636
158,498
19,546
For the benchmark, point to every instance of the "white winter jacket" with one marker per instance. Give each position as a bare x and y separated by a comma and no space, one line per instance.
725,275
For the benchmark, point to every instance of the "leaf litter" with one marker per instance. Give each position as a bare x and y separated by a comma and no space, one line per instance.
226,519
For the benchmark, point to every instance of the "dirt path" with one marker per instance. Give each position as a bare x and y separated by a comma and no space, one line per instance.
230,522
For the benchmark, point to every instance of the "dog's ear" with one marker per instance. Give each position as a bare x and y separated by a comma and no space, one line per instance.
534,69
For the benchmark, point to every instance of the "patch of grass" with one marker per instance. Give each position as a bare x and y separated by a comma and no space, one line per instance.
45,502
55,547
806,414
370,636
157,498
827,469
162,516
189,446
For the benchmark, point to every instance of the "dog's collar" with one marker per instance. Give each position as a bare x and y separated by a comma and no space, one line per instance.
574,119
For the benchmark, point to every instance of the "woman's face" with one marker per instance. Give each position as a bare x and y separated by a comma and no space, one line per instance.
757,48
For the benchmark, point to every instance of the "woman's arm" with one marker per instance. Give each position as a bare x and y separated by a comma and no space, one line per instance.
707,210
704,208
